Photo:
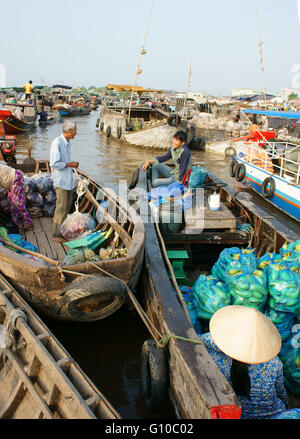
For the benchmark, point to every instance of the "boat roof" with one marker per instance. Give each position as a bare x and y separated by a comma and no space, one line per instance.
283,114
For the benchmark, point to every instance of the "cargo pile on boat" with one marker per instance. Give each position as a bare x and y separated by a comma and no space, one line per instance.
271,284
209,121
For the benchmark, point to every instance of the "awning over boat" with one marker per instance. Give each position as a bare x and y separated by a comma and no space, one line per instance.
137,89
284,114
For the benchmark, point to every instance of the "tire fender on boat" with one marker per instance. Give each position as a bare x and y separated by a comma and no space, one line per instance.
232,168
97,123
240,172
134,179
119,132
101,126
108,131
93,297
154,375
174,120
268,193
230,151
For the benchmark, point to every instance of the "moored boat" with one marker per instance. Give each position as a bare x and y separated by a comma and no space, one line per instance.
38,377
195,384
13,125
272,169
79,291
70,112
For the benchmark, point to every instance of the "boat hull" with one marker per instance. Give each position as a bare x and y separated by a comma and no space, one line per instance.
37,375
286,196
12,125
73,113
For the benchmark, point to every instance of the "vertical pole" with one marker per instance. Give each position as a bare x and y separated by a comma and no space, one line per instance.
187,85
260,43
142,52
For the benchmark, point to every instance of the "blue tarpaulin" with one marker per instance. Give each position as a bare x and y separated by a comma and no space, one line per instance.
284,114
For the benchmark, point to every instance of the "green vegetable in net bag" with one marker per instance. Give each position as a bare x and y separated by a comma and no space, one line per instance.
290,357
291,248
284,289
79,255
236,259
209,294
248,289
267,259
283,322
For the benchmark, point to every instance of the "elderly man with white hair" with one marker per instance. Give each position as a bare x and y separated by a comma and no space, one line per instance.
63,176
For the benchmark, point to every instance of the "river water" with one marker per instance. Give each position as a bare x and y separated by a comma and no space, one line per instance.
108,350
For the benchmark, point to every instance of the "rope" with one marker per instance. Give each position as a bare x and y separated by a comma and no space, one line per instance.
8,338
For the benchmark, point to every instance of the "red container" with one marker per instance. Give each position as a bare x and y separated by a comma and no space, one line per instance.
4,113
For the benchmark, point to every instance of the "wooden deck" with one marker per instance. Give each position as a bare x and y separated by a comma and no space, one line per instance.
200,217
41,236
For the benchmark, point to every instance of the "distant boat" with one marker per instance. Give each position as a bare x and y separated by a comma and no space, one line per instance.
272,168
69,112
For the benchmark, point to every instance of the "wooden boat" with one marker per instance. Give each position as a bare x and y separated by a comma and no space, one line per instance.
50,288
38,377
72,111
13,125
147,127
196,386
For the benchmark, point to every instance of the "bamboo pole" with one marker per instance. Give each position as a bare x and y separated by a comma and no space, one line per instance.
260,43
142,52
187,85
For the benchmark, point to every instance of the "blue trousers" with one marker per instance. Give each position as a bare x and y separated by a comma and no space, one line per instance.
159,170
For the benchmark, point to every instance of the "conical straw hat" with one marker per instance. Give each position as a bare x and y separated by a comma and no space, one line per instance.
245,334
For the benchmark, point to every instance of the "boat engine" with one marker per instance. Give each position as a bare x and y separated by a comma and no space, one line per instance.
8,149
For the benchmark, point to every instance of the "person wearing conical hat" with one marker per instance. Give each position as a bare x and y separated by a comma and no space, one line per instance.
244,344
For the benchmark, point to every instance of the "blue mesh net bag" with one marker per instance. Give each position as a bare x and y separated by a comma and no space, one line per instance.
267,259
189,301
289,414
290,357
248,289
291,248
284,288
236,259
209,294
282,320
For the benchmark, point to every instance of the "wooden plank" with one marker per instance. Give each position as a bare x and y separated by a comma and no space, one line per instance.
43,244
13,401
30,237
18,367
58,249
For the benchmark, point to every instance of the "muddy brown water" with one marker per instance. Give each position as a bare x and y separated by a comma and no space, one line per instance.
108,350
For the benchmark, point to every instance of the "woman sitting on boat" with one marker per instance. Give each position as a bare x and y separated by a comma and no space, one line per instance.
244,344
181,156
12,181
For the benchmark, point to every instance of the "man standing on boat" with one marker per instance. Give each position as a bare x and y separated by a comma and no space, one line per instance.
181,156
28,89
63,176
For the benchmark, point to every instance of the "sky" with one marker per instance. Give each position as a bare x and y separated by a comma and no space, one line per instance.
97,42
